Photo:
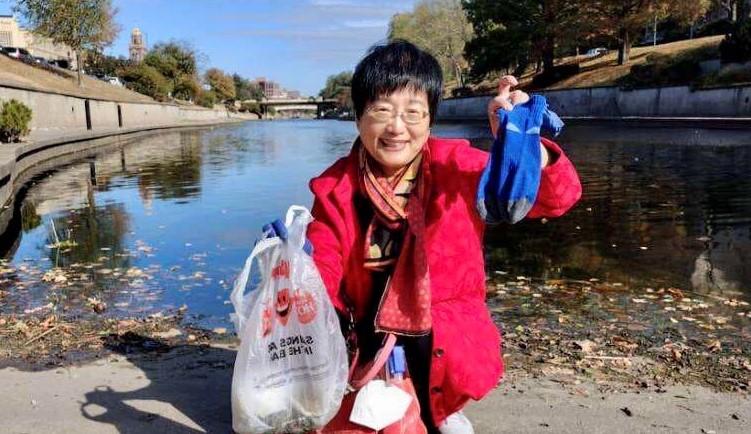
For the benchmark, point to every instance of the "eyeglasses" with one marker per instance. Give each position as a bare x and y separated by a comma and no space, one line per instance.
386,114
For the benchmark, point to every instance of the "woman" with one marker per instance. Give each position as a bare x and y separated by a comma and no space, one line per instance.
397,235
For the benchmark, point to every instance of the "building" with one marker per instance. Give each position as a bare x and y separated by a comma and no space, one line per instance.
10,33
137,47
271,89
13,35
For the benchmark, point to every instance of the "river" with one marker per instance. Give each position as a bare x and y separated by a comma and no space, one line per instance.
168,220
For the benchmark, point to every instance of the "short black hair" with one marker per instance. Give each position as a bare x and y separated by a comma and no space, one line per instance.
393,66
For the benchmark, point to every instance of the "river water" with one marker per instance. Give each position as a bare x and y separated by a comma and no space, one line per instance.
168,221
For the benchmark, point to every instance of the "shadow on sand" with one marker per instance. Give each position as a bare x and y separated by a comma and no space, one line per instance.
195,381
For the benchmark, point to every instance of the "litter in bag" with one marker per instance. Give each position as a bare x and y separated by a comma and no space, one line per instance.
291,369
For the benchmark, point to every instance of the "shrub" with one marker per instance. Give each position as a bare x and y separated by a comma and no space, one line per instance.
186,88
729,75
721,27
206,98
663,73
669,70
147,80
461,91
736,47
250,107
15,118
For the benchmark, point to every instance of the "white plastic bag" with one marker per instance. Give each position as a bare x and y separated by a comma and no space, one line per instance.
291,369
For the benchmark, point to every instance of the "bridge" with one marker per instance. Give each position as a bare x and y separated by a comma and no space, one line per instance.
297,104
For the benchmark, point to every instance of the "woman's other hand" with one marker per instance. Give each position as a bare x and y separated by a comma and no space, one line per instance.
506,100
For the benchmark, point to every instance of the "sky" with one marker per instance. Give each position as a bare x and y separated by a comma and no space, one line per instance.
297,43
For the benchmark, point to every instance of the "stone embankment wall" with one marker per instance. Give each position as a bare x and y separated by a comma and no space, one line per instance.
66,114
614,103
66,124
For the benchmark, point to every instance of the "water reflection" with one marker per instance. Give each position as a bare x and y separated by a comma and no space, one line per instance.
651,215
167,220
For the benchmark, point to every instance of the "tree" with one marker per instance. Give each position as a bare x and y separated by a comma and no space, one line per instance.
173,60
246,89
147,80
221,84
178,62
335,84
99,64
624,19
80,24
440,27
737,10
510,34
339,87
187,88
206,98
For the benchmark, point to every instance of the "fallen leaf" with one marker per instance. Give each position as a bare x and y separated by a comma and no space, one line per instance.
586,346
714,345
675,292
171,333
624,344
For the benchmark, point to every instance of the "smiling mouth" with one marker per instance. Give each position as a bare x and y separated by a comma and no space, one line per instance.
393,145
282,311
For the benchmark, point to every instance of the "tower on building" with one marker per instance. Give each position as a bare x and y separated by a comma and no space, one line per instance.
137,46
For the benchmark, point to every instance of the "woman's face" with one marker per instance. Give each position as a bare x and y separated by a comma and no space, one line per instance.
391,141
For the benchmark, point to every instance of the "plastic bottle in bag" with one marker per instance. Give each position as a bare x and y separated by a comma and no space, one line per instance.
291,369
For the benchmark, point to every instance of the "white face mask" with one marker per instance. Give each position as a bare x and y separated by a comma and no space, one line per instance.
378,405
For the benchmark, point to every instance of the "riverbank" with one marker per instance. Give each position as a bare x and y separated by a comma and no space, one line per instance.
680,105
578,355
187,390
15,73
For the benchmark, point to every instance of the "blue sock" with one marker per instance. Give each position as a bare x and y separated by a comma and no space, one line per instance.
508,185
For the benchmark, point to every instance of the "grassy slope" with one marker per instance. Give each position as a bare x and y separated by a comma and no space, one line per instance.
13,72
605,71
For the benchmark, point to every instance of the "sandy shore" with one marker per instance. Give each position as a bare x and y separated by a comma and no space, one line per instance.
186,389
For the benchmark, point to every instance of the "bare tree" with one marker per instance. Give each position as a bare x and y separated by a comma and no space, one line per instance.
440,27
80,24
625,18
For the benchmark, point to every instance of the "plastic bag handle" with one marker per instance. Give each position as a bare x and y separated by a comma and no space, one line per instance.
291,214
238,290
297,220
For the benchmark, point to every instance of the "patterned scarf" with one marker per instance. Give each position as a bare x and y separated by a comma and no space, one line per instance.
396,237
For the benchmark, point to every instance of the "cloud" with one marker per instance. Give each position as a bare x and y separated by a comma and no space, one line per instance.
359,24
330,34
317,37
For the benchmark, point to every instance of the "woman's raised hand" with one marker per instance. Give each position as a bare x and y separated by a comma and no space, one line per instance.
506,99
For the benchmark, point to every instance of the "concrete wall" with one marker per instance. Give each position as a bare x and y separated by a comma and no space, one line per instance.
56,114
59,127
612,102
51,112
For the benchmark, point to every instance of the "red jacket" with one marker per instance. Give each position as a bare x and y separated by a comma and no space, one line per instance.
466,343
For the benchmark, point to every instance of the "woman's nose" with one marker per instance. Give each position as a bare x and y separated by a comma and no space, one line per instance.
396,124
